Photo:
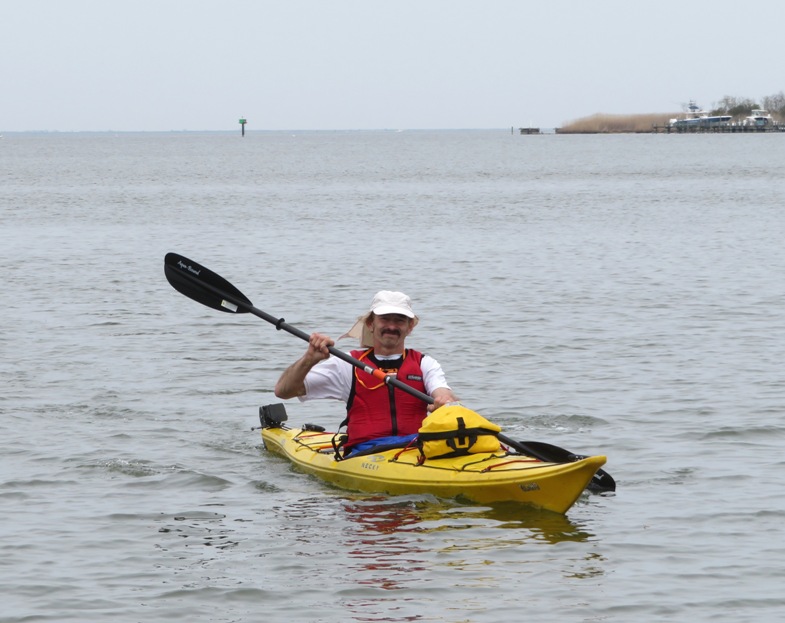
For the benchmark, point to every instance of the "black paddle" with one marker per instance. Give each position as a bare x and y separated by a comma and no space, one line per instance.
601,482
210,289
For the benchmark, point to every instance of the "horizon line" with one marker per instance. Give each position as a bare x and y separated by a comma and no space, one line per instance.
265,131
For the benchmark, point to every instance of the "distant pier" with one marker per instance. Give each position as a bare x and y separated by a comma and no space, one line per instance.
529,130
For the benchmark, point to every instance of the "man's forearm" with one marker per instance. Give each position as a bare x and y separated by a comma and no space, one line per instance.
292,382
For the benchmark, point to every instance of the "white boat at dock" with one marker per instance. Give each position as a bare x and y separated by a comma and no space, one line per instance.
696,117
759,118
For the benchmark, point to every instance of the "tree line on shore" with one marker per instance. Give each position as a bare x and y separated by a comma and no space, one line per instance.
742,106
737,107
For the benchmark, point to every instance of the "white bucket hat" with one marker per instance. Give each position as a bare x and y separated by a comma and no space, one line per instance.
384,302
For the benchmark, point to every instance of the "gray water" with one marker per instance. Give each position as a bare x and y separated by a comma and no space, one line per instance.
620,295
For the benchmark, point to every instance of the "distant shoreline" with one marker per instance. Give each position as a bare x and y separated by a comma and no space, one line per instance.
622,124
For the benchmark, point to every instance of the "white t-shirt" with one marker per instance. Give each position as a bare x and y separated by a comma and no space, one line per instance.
332,378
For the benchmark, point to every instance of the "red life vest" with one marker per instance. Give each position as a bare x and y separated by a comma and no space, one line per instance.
375,409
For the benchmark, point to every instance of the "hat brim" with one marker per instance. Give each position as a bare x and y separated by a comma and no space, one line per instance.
381,310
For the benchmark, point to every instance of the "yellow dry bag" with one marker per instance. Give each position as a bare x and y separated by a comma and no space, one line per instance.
454,430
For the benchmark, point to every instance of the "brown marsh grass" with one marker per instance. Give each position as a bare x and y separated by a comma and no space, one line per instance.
609,124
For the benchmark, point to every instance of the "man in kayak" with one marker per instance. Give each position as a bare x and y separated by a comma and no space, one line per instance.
375,410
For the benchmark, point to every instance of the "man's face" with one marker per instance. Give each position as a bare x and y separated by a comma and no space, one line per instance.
390,330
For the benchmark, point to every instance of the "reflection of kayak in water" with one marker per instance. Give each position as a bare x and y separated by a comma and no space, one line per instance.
377,514
485,477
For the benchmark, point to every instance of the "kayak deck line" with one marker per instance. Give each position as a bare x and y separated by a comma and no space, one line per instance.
326,448
461,463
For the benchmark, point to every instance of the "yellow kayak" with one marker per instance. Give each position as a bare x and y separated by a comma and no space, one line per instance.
486,477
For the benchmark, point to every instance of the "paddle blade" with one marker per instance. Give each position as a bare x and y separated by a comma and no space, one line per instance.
600,483
203,285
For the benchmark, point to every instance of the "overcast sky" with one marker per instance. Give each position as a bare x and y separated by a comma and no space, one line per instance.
370,64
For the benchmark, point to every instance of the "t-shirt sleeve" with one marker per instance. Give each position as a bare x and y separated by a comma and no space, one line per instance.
331,378
433,375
